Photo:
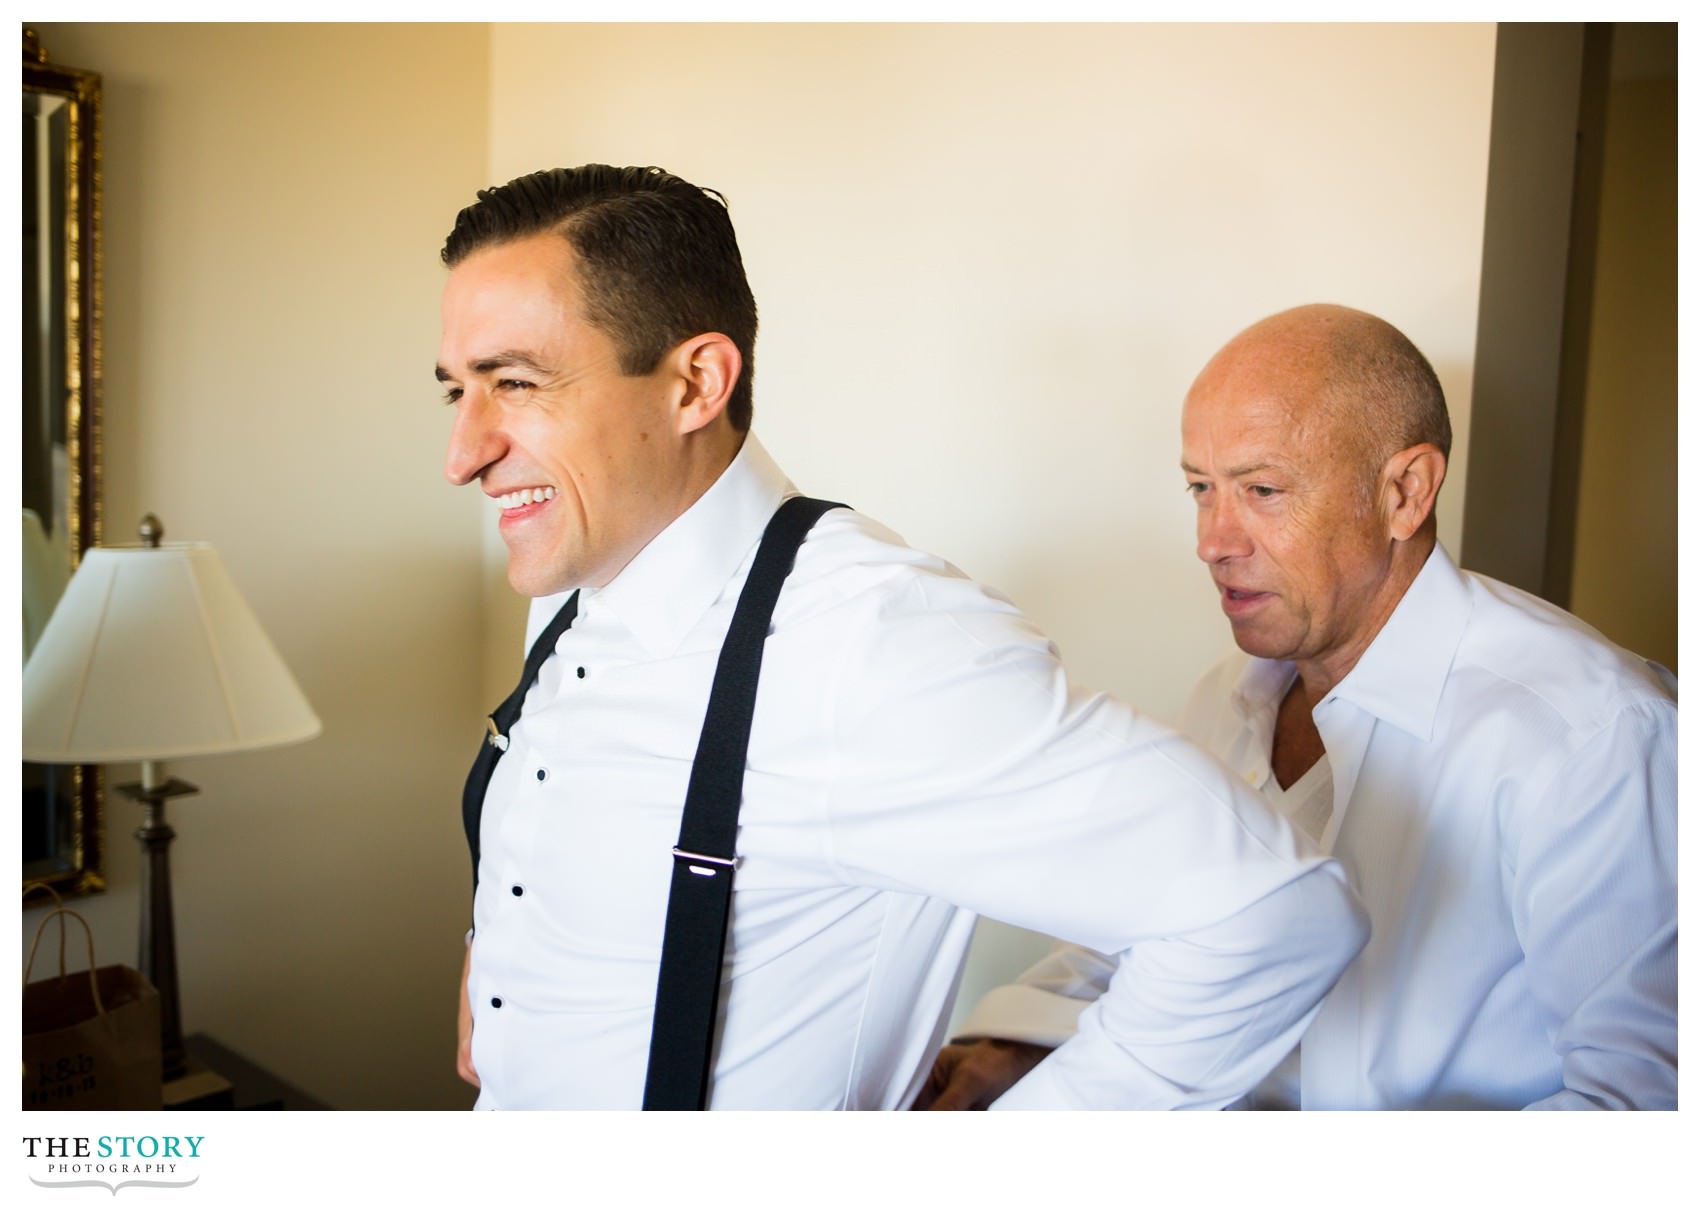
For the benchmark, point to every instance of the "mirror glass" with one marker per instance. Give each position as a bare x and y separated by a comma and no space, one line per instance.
60,444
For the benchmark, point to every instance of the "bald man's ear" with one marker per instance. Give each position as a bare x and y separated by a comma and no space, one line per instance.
708,366
1411,481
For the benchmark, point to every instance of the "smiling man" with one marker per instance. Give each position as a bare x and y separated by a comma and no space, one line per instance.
1498,779
916,753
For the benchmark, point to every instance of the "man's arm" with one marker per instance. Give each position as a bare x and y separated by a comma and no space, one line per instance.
1014,1026
463,1053
974,772
1594,906
977,1075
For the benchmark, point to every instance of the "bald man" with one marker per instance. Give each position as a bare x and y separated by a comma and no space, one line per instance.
1498,779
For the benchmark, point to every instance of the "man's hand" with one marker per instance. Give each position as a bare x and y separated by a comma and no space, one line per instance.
463,1054
970,1077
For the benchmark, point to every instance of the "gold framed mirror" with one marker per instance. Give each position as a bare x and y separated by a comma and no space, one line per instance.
61,262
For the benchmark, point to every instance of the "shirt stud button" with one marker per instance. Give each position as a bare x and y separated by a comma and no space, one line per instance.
581,671
496,1002
542,775
518,891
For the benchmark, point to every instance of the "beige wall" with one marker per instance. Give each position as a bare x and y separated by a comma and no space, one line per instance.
275,196
989,260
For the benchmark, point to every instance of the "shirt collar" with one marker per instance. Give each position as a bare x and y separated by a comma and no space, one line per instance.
682,571
1257,695
1401,674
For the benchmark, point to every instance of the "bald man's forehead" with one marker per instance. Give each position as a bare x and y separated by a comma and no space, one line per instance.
1267,386
1247,420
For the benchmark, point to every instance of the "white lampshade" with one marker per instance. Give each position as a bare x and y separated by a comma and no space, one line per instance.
152,654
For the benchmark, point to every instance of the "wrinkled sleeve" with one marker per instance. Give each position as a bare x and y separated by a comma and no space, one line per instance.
1593,888
975,772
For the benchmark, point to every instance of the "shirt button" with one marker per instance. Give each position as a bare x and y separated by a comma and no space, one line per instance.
542,775
496,1002
518,891
581,671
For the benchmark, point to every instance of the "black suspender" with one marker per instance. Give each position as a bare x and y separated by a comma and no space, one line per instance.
699,903
687,993
500,721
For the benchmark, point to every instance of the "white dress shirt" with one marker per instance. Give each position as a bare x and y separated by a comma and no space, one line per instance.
1308,804
1505,802
917,756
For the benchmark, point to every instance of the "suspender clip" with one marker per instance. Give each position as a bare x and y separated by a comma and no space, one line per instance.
692,862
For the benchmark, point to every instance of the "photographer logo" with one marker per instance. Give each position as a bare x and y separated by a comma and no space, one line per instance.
113,1162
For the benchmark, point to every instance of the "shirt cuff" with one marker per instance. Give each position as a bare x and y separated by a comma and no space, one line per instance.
1021,1012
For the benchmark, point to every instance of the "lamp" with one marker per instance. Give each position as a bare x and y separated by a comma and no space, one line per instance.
152,654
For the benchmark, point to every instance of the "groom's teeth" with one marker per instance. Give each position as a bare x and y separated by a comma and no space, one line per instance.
524,497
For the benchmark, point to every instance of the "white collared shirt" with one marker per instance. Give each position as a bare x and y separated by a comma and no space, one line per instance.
917,756
1505,802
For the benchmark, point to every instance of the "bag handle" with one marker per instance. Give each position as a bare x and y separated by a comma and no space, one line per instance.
88,935
59,902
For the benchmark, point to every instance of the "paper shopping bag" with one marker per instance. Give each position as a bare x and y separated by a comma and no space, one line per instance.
91,1038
